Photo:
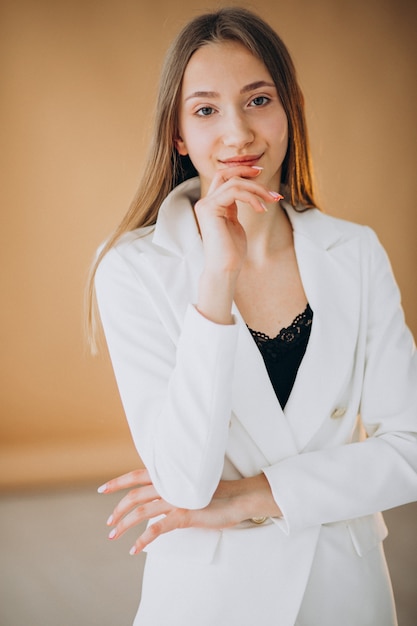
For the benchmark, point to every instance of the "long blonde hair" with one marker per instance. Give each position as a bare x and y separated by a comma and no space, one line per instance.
165,168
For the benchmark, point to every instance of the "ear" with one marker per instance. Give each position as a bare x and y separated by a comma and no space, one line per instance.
180,146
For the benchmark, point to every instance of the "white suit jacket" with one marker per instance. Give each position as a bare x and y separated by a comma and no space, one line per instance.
200,404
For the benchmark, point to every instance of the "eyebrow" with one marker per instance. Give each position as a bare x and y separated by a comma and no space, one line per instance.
214,94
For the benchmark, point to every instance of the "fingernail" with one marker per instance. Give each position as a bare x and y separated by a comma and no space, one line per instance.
102,489
132,550
264,207
276,196
256,167
110,521
112,533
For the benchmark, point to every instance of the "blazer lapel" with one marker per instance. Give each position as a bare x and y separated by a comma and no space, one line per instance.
174,259
326,262
255,403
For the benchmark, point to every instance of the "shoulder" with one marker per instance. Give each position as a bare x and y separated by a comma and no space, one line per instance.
125,256
349,230
134,242
328,231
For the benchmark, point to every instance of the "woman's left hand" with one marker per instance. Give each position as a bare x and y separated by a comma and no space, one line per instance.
230,505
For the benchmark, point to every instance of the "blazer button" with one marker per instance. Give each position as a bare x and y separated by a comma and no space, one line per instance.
338,412
258,520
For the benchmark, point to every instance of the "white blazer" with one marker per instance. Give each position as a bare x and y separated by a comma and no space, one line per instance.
200,406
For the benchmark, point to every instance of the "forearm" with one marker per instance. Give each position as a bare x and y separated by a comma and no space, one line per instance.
345,482
175,388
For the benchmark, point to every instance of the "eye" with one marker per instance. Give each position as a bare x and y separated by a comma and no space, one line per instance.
259,101
205,111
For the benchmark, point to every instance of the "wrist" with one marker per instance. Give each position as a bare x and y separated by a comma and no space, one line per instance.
216,294
257,500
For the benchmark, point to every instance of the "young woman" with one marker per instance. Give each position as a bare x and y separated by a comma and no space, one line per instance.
261,354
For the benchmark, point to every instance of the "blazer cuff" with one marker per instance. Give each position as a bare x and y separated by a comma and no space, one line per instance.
281,522
194,306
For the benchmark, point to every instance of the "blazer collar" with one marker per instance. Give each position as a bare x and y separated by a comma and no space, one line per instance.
176,228
314,225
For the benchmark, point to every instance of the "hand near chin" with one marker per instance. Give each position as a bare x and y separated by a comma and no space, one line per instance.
226,509
223,237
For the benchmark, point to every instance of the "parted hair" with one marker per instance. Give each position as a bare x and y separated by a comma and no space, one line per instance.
165,168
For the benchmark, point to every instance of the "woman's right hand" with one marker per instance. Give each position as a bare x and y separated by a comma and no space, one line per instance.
224,238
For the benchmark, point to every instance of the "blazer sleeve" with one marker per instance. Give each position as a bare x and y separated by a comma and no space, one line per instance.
176,394
379,473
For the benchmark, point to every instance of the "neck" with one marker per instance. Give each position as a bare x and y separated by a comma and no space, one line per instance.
267,233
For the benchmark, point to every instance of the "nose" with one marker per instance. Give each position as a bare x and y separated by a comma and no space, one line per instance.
237,131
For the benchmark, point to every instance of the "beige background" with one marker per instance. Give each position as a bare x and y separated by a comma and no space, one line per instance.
79,80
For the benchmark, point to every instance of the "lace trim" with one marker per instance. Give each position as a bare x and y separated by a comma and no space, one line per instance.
294,334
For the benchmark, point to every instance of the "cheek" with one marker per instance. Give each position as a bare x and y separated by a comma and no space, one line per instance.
282,128
282,134
276,128
199,146
285,137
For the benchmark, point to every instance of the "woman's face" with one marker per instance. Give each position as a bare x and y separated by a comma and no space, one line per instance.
230,113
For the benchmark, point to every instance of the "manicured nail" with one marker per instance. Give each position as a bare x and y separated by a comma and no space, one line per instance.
102,489
264,207
132,550
110,521
256,167
276,196
112,533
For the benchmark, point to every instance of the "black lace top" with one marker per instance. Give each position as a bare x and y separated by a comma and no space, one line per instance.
283,354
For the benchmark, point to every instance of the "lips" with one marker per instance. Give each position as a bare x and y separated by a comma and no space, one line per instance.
249,160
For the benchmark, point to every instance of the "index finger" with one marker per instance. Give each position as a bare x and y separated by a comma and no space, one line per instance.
226,173
131,479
